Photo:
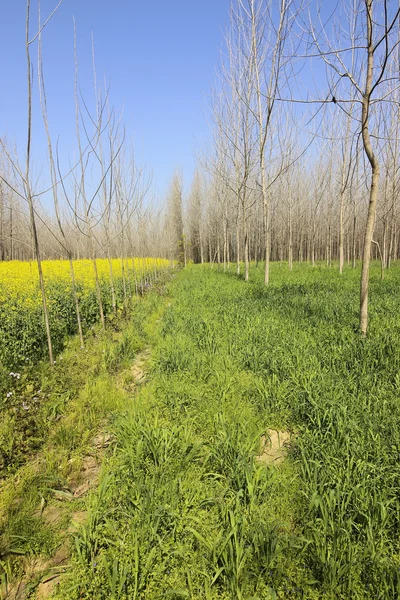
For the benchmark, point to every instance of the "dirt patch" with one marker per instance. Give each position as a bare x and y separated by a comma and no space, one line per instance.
89,476
137,372
46,588
273,446
53,572
138,367
102,440
89,472
45,573
63,495
48,572
42,576
16,592
52,514
78,518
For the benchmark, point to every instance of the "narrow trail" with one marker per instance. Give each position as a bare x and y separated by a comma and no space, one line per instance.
60,513
59,508
139,366
42,576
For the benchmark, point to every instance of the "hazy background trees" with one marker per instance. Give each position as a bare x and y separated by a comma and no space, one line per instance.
303,163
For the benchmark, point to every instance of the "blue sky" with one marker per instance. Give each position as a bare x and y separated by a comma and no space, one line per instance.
158,56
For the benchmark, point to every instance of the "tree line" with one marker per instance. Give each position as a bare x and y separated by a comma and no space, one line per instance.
305,159
303,164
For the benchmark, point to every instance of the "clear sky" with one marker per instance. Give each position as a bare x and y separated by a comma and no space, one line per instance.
159,57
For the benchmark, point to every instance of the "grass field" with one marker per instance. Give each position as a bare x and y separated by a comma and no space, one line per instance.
187,510
187,504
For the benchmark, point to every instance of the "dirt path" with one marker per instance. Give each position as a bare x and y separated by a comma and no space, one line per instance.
42,576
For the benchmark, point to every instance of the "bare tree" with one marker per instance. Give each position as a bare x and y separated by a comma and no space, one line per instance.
64,241
268,35
358,49
174,220
24,174
195,218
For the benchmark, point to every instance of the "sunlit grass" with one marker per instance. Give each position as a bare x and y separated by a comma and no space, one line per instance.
185,509
189,512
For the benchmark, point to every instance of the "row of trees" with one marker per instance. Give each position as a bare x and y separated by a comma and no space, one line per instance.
93,207
132,221
296,171
311,218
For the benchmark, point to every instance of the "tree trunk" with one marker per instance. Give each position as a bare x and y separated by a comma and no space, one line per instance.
354,248
267,236
290,248
29,197
237,245
111,275
76,301
341,233
11,235
375,172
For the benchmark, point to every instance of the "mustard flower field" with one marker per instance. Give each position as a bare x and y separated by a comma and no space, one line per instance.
22,331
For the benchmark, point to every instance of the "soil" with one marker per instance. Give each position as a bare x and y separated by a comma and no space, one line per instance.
48,572
273,446
55,569
89,476
137,369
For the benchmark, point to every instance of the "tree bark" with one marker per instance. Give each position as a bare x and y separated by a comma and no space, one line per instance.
375,172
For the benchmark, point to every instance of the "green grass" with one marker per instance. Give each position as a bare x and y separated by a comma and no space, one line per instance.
187,512
48,428
184,509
